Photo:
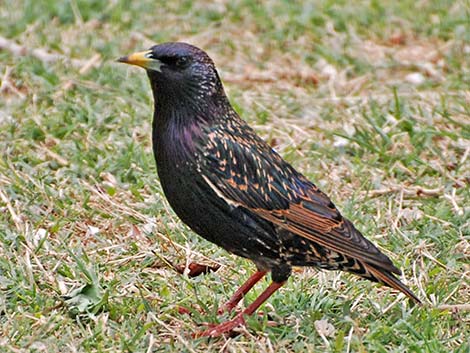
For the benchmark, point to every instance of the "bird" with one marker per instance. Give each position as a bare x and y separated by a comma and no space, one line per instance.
232,188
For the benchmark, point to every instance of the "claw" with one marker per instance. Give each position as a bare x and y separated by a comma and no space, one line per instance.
183,310
223,328
228,326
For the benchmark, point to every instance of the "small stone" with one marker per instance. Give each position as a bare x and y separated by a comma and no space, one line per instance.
324,328
416,78
93,230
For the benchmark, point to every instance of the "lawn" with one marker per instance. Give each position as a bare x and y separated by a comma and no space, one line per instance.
369,99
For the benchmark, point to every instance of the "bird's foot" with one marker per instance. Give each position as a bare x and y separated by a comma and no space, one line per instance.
223,309
223,328
228,309
183,310
189,310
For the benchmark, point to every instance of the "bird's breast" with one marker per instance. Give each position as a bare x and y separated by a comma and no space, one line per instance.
175,156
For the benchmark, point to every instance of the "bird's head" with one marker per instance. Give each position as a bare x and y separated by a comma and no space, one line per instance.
178,71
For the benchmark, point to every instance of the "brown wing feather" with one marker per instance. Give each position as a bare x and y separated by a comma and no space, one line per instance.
245,171
335,234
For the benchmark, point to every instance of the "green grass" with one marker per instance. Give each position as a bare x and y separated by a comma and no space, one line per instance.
84,222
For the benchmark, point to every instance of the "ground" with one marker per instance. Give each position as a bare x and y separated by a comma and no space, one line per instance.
369,99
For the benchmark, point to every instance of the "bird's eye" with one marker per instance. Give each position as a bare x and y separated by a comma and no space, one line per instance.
182,61
176,62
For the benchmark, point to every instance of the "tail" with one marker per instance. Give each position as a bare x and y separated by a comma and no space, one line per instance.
390,280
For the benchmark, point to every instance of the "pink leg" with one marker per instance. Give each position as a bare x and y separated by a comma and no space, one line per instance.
236,297
241,292
228,326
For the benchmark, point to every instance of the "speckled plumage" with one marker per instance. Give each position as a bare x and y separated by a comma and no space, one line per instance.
232,188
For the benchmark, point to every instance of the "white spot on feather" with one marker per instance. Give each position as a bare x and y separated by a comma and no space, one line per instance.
220,194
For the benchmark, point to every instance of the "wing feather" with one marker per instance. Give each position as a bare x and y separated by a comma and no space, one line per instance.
246,172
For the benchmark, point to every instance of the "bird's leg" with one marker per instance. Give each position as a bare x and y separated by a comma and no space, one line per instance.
241,292
236,297
228,326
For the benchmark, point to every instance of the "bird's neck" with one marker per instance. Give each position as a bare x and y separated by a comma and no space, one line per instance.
179,123
183,107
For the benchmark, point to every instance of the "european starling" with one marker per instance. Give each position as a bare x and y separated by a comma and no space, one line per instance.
232,188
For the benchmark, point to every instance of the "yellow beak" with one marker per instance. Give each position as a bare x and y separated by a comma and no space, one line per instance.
142,59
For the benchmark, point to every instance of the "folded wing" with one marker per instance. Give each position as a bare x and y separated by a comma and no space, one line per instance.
253,176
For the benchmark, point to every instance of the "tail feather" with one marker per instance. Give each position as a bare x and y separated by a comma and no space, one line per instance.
390,280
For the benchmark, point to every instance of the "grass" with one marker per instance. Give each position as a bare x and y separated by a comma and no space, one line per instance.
368,99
